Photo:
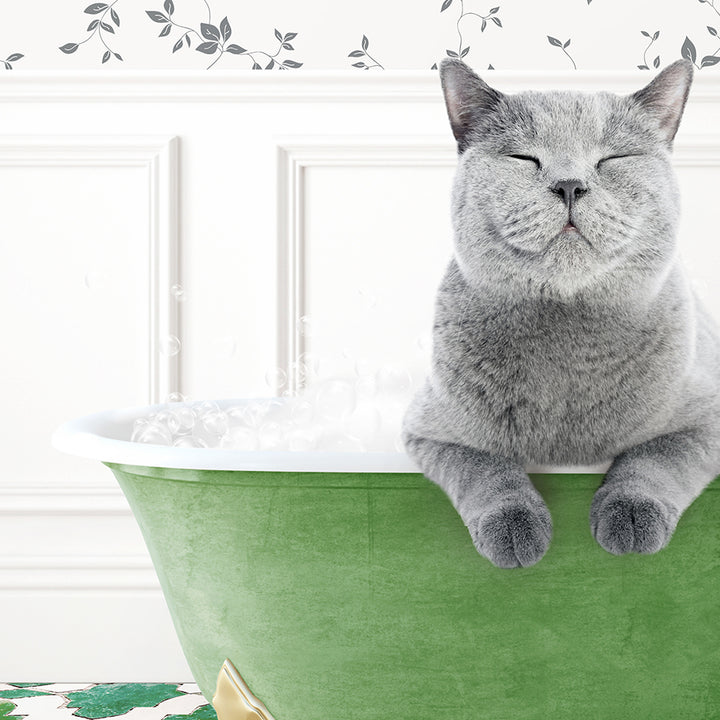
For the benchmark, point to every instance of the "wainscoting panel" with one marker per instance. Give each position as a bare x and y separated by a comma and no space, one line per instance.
164,232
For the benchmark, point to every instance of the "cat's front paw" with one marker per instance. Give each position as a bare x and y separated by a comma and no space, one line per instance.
624,521
513,533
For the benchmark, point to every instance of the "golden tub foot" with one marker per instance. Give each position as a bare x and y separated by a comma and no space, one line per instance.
233,699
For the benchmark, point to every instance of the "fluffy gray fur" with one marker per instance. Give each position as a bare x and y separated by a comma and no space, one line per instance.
563,346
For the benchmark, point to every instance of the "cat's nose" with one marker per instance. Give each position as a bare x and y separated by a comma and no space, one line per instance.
569,190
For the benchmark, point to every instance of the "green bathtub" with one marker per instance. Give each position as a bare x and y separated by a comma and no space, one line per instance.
349,595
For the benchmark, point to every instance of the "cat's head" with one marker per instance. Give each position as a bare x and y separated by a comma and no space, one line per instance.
560,191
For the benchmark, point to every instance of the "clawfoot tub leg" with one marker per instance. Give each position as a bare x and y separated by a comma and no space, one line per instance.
233,699
647,489
507,518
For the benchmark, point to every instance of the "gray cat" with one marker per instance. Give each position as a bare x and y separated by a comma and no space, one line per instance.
565,331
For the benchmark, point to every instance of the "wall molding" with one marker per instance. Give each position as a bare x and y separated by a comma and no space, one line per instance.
158,156
294,156
305,85
87,573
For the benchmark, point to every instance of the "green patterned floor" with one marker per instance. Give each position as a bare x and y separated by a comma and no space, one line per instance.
134,701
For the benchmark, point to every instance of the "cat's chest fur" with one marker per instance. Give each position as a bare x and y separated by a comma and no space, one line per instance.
555,382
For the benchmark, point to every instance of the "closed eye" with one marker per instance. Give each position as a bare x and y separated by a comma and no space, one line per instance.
615,157
526,157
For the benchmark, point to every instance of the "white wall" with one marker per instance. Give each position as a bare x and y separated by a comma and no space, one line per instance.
268,197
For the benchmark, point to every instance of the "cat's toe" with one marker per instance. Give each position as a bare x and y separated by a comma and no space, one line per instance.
622,522
514,534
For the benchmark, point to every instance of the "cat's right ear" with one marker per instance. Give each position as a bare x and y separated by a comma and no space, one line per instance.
467,98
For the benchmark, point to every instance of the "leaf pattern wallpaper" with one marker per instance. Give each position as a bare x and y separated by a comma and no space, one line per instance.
371,36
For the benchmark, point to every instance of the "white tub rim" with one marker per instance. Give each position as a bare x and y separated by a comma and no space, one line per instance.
105,436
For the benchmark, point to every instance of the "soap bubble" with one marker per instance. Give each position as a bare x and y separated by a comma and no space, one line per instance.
276,378
366,386
270,435
363,367
214,423
305,326
334,399
178,292
306,368
301,440
302,411
186,441
138,427
154,434
240,438
424,342
95,280
364,422
169,345
367,298
182,419
393,380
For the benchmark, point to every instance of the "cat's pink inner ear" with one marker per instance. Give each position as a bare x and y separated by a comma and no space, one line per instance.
666,95
467,96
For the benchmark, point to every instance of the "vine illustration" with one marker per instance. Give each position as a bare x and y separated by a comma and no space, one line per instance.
555,42
365,43
656,61
711,3
96,29
492,16
11,59
689,52
215,38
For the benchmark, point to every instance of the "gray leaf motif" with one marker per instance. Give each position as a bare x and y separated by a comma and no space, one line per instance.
712,31
365,43
278,36
554,41
210,32
656,62
115,17
225,29
95,8
107,27
709,60
688,50
165,31
14,57
177,45
291,63
68,48
156,16
207,47
106,56
93,25
235,49
446,4
169,7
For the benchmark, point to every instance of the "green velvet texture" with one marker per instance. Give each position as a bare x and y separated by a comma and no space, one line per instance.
361,596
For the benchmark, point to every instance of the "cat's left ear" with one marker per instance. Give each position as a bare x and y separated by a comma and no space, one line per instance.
665,97
467,99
